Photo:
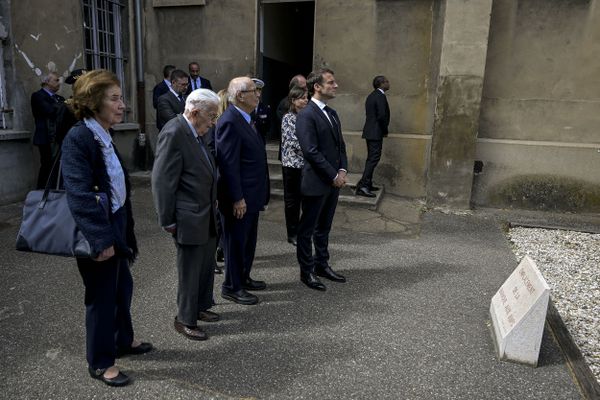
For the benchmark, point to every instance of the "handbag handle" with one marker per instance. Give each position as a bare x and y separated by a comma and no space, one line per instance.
47,188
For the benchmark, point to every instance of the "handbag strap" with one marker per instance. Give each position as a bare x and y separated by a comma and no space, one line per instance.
47,188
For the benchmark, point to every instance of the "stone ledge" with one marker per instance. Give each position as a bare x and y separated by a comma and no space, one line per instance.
177,3
10,134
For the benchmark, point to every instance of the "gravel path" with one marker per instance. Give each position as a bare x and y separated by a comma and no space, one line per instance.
570,263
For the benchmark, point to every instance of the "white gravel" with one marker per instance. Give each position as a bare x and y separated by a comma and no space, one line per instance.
570,263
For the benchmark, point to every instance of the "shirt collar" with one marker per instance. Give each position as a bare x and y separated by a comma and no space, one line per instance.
167,82
246,116
381,90
50,93
319,103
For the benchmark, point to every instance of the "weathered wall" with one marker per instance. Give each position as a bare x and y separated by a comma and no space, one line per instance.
541,105
360,39
220,36
462,63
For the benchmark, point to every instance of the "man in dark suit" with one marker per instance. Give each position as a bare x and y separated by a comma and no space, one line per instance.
163,86
184,191
195,80
262,113
319,132
375,129
243,189
172,103
45,104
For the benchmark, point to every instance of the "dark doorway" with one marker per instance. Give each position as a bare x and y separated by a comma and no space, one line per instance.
286,49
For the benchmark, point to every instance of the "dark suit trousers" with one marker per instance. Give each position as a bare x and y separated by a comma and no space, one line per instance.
195,270
292,197
315,225
239,236
373,156
46,159
108,290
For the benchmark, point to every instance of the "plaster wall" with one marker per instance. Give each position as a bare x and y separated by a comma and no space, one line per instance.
541,86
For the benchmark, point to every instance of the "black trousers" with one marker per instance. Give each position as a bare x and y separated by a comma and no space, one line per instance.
108,291
373,156
315,225
240,237
292,198
46,159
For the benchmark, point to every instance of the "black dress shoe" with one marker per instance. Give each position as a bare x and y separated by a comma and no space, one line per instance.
373,188
330,274
190,332
251,284
218,269
312,282
208,316
120,380
142,348
220,255
293,240
240,297
363,191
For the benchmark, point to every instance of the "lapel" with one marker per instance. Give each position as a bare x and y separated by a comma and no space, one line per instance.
194,145
241,121
332,129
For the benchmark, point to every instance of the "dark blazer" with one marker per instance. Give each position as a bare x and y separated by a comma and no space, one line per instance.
323,147
160,89
84,173
242,160
168,108
378,116
44,109
184,184
204,83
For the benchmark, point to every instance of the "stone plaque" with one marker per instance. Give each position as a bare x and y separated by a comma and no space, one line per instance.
518,312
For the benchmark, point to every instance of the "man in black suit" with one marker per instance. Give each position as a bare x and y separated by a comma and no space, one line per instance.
163,86
320,135
45,104
172,103
243,189
375,129
196,81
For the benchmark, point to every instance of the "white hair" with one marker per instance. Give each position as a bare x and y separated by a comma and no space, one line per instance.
236,86
201,99
44,79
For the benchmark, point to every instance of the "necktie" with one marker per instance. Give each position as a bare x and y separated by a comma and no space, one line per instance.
330,115
205,152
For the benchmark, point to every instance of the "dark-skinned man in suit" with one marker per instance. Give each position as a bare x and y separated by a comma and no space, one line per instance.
243,189
184,191
374,130
319,132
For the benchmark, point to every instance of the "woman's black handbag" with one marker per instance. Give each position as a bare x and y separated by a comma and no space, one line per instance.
48,226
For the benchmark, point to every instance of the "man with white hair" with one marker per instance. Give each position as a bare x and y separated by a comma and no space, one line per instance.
243,189
184,190
45,104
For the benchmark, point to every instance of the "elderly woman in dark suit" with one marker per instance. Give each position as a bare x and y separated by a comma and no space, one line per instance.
92,169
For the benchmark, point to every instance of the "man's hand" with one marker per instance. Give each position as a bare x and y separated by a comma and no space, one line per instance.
105,254
344,175
239,209
172,229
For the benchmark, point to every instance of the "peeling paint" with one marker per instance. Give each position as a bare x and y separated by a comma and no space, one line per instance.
68,30
35,37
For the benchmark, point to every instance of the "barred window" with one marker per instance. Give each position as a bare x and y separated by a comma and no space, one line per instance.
102,30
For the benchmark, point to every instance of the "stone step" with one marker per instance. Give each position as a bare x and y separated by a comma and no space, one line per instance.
272,151
348,199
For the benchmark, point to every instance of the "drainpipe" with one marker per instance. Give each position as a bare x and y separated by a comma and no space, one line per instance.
141,88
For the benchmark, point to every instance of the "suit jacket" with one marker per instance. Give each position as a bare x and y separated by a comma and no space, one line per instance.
168,108
323,148
242,159
204,83
160,89
44,109
84,173
378,116
184,184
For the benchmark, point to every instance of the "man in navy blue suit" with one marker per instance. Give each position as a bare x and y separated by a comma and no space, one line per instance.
319,132
243,189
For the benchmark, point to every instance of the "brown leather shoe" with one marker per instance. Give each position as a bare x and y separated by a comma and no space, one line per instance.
190,332
208,316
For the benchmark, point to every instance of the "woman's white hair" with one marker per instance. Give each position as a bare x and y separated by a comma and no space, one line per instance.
201,99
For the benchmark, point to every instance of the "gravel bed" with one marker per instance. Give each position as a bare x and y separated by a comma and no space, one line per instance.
570,263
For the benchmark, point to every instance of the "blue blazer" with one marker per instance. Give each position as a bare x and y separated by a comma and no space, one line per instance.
242,160
84,173
45,110
323,148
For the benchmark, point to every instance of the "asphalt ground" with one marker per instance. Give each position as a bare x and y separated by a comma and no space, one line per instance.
412,322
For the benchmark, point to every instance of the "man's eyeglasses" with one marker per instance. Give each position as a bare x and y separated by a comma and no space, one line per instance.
257,90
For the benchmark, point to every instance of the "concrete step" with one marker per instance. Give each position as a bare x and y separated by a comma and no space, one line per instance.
272,151
348,199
